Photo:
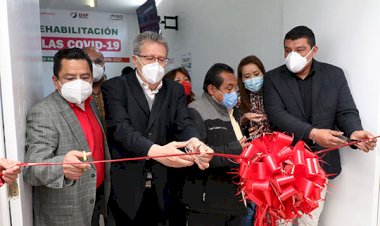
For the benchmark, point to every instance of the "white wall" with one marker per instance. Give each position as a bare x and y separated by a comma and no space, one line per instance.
132,30
347,35
223,32
20,69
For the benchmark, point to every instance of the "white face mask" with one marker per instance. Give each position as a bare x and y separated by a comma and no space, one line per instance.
97,72
153,72
76,91
295,62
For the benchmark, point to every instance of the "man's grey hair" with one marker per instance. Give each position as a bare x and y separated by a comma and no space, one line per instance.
148,36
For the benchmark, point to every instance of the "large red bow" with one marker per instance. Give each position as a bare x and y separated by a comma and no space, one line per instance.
282,180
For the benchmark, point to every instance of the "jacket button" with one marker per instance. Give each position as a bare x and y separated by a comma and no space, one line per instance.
92,201
93,175
150,134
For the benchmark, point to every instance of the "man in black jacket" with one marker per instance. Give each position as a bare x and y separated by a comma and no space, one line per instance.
145,115
311,99
211,194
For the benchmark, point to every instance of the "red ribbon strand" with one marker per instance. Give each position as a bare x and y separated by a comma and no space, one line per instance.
282,180
1,180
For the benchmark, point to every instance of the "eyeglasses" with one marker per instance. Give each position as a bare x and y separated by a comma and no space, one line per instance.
152,59
98,61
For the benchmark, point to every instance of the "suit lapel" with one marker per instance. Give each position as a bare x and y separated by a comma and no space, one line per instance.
71,119
94,109
157,104
137,92
317,84
291,82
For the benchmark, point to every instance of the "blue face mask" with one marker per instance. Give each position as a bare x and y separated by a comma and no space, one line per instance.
229,99
254,84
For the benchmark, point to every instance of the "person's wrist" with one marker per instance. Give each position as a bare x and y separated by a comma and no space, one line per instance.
194,140
313,134
153,150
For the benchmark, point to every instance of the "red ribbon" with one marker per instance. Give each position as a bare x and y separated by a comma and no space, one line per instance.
282,180
1,180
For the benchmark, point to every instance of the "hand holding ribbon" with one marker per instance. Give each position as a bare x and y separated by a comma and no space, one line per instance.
326,138
9,171
74,171
204,157
169,149
367,145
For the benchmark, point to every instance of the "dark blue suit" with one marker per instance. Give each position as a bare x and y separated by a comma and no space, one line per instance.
332,106
133,128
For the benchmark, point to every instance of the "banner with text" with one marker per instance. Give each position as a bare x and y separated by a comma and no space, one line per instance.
67,29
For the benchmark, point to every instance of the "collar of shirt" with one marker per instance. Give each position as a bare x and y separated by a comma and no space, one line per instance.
145,86
230,112
83,106
311,73
218,106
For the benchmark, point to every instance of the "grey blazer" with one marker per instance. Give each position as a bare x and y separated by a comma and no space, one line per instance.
52,130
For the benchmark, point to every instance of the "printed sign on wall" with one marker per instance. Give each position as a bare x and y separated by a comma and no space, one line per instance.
67,29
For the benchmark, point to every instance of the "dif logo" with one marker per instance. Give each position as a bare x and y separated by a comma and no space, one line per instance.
79,15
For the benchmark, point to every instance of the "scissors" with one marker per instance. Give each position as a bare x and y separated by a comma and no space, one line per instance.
188,150
85,157
346,139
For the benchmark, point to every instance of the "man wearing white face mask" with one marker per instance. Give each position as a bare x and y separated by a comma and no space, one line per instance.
311,99
145,116
98,68
65,127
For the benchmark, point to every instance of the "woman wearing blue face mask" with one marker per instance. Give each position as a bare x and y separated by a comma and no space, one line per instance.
254,120
250,81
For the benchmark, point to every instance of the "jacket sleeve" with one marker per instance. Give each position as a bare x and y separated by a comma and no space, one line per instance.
228,148
185,126
41,144
277,113
347,116
118,121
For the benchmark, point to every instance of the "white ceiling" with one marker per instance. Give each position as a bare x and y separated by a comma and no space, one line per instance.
116,6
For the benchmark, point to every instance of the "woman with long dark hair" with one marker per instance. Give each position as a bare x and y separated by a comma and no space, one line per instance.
253,119
250,81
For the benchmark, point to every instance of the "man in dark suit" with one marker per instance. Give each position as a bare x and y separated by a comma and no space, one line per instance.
145,115
311,99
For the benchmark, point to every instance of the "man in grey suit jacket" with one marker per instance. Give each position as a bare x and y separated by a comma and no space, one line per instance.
311,99
59,129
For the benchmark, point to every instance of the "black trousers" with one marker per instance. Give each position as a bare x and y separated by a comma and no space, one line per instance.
210,219
99,203
149,213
